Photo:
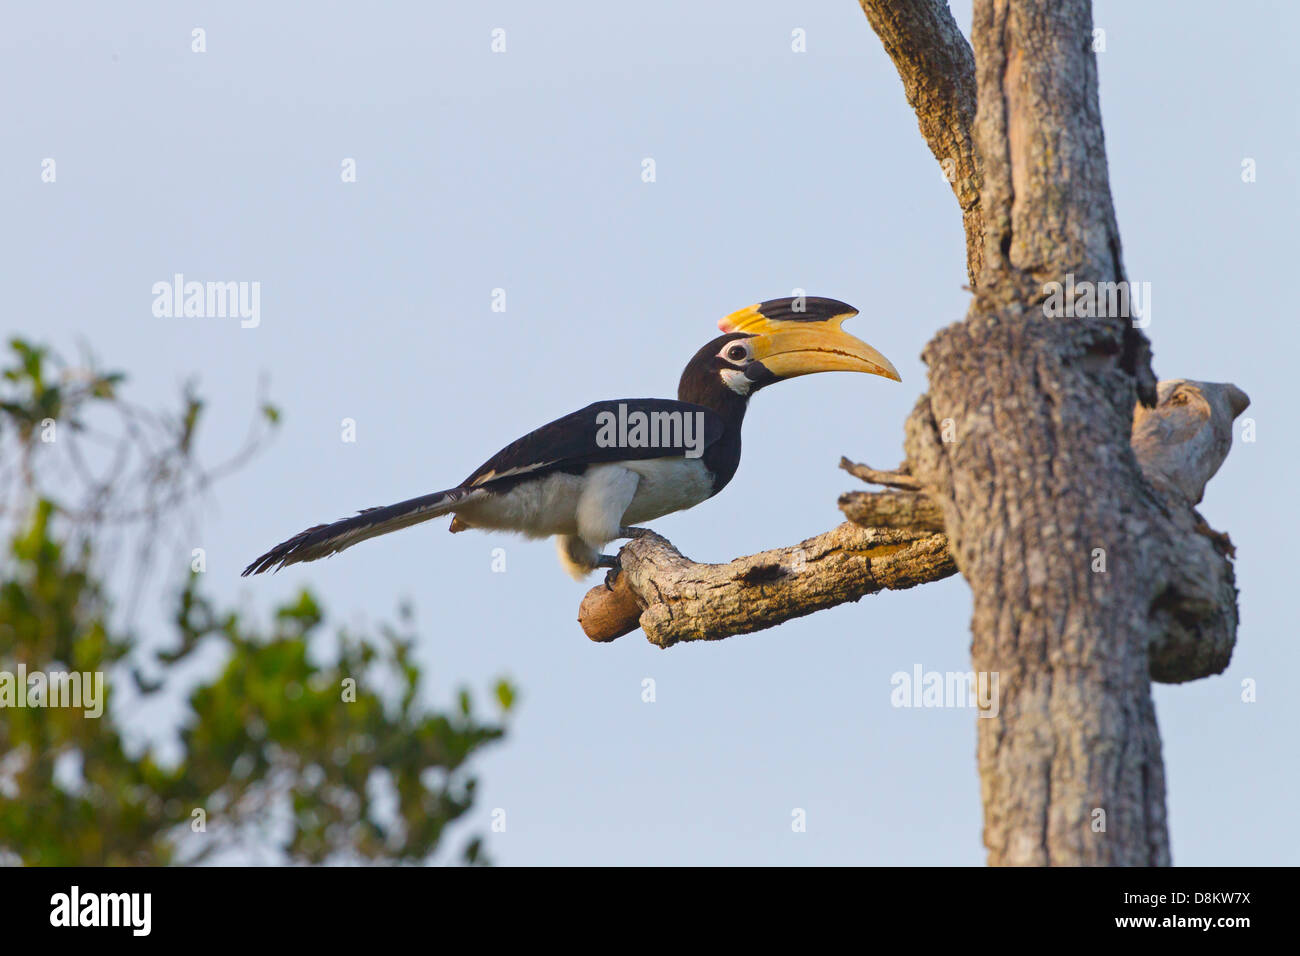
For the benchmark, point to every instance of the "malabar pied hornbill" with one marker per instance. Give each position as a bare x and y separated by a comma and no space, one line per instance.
587,477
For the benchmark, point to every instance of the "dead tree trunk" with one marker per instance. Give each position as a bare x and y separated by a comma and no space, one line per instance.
1023,440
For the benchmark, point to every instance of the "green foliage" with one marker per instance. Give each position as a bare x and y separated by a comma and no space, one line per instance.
35,398
317,756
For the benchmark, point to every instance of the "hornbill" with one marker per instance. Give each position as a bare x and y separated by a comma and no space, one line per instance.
588,477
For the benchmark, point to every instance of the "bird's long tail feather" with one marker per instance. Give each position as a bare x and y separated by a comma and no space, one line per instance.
323,540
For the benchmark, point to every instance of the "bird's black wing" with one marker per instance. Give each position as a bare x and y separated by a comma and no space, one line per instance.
602,432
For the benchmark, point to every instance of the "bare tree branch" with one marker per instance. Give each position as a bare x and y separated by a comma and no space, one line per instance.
674,599
900,477
892,509
937,68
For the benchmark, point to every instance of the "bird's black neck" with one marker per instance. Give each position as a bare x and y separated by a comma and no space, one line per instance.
716,396
701,385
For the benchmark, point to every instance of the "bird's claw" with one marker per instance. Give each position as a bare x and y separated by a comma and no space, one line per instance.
609,561
611,577
633,532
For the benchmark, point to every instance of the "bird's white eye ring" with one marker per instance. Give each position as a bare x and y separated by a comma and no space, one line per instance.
737,353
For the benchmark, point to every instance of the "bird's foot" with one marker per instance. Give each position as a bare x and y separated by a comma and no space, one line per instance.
611,576
633,532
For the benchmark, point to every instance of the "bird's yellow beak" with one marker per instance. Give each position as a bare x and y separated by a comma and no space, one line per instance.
801,336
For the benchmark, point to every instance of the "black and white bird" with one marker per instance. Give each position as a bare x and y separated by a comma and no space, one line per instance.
588,477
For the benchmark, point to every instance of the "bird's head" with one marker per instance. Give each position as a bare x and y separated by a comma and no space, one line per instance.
780,339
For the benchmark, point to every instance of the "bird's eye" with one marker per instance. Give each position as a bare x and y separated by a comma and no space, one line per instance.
737,353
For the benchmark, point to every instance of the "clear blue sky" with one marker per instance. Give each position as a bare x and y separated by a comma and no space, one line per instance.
775,171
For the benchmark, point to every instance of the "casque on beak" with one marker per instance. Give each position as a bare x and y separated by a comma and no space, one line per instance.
789,341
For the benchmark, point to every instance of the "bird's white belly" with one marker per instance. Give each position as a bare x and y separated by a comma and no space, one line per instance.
667,485
555,503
